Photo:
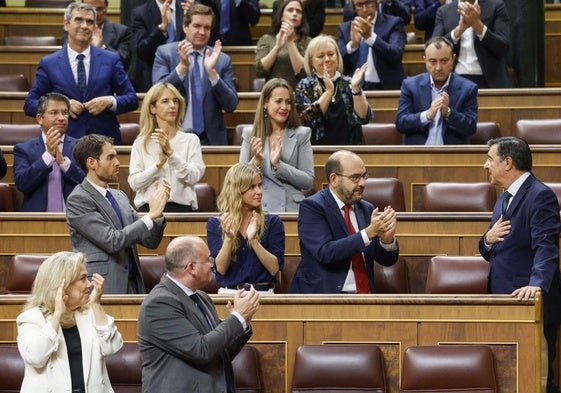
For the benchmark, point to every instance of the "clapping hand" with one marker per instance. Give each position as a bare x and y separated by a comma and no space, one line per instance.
97,291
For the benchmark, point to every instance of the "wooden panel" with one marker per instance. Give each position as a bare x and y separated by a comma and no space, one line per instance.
501,106
285,322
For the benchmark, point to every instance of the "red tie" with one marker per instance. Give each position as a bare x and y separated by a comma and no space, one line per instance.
361,278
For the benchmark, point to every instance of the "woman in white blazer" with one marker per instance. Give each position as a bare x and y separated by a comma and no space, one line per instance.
63,333
280,147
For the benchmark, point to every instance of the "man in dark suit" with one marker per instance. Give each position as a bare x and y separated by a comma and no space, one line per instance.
109,35
424,12
93,78
103,224
175,63
522,243
438,107
184,346
233,18
480,31
44,169
342,236
399,8
154,23
377,39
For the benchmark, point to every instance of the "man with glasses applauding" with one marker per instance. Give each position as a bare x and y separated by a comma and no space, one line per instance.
377,39
44,167
341,236
184,345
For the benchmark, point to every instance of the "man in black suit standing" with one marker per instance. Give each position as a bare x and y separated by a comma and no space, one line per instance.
233,18
109,35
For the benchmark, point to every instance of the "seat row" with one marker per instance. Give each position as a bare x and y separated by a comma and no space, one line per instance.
446,275
328,368
536,131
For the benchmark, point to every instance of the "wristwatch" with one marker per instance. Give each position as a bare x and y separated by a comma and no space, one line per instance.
448,113
164,32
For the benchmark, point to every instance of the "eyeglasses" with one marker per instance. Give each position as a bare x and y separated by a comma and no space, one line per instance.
209,260
363,4
55,113
354,178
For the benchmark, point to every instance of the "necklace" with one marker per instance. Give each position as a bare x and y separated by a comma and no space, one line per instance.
334,93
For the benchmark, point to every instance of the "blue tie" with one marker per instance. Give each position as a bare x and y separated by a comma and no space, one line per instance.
171,33
82,84
197,96
115,206
194,297
506,197
224,16
363,50
54,193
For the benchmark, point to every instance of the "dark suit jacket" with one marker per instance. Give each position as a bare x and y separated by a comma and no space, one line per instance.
147,37
529,254
416,97
241,17
222,96
3,165
399,8
425,15
96,231
106,77
327,248
179,351
493,49
387,50
31,175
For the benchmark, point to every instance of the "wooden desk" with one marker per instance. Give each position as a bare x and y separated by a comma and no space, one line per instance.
284,322
421,236
413,165
502,106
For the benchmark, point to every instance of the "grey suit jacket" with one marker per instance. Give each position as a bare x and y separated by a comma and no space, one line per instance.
283,187
118,38
222,96
96,231
180,352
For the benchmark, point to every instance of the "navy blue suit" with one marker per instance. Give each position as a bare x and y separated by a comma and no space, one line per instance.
241,17
327,248
31,175
147,37
106,77
222,96
492,51
529,255
425,15
387,50
416,97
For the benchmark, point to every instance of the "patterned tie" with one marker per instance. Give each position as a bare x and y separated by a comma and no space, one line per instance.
82,84
506,198
115,206
224,16
54,192
197,96
359,269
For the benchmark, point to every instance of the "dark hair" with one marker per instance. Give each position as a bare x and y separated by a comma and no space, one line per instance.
515,148
438,42
332,165
44,100
304,29
89,146
197,9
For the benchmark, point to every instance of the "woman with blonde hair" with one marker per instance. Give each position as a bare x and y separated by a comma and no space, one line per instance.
246,243
163,151
280,147
64,335
331,104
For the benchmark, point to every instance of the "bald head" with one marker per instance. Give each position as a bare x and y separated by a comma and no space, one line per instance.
334,162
